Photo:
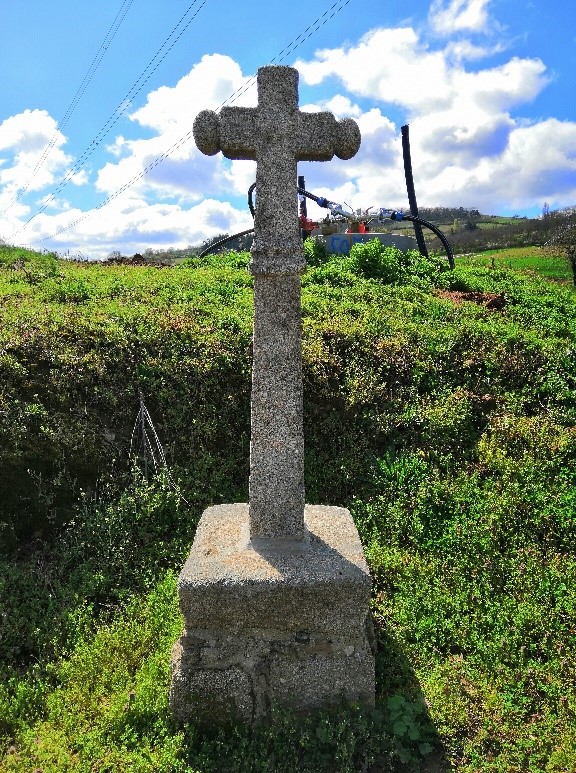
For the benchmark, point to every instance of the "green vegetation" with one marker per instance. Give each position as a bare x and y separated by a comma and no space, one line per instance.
534,260
470,232
444,421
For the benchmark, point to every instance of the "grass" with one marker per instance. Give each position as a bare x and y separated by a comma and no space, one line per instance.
531,260
447,428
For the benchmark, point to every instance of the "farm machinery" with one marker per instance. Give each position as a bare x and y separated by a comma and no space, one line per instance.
342,227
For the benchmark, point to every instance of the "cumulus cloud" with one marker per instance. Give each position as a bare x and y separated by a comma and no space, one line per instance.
133,224
464,132
397,67
450,16
170,113
134,219
24,141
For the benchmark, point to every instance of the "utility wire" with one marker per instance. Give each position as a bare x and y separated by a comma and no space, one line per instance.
280,57
135,89
114,27
296,43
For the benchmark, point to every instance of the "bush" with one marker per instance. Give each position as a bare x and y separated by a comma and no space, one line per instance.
447,428
315,251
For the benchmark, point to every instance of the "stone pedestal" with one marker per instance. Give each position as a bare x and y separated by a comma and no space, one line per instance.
270,624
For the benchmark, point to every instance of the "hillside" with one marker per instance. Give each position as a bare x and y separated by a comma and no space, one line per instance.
440,407
467,230
471,231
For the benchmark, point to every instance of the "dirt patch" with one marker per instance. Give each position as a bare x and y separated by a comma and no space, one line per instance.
491,301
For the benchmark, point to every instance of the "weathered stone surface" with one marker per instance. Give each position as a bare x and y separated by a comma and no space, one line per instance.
275,594
273,627
209,696
277,438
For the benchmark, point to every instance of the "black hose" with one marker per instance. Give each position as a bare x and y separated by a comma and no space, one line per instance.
220,242
322,202
250,202
411,190
432,227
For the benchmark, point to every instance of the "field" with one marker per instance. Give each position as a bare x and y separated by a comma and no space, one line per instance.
531,260
440,407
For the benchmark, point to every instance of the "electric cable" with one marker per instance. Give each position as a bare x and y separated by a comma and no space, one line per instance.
292,46
135,89
114,27
308,32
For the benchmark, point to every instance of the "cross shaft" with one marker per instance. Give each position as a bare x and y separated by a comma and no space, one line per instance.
276,135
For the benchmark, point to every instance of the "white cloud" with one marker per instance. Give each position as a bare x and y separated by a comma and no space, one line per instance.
464,136
464,50
208,84
170,112
396,67
390,65
24,141
133,225
450,16
134,219
341,106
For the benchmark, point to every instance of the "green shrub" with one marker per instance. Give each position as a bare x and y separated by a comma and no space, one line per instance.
315,251
447,428
374,261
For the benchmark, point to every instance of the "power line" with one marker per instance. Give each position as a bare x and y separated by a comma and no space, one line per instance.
114,27
168,44
296,43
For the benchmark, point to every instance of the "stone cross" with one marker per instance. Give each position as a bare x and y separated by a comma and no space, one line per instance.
276,135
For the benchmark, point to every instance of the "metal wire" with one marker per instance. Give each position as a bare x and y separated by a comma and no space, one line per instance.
308,32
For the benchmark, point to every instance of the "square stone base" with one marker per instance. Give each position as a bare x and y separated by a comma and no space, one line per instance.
267,625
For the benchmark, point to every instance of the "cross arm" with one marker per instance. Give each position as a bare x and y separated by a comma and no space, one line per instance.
321,137
232,132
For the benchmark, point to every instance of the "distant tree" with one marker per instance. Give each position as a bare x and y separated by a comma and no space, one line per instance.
545,209
563,237
448,214
114,255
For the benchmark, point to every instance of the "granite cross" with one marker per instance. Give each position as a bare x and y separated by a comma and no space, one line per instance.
276,135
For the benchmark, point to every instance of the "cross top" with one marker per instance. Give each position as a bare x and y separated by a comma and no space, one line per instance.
276,135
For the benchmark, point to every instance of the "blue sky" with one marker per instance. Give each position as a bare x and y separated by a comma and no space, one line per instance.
91,99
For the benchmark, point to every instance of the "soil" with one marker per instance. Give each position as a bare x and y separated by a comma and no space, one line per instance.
491,301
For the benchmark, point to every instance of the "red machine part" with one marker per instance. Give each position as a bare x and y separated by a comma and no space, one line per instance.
306,224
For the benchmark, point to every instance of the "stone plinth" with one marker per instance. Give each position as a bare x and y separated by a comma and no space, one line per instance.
274,594
271,624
